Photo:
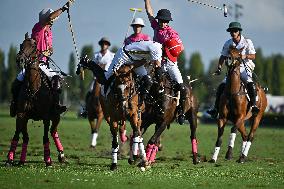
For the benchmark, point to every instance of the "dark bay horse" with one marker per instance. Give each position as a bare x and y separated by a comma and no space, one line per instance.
235,107
120,103
35,101
162,110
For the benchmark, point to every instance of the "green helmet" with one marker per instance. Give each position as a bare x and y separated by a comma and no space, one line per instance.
234,25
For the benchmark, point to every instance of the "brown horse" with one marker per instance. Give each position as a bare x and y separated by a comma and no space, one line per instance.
35,101
96,115
235,107
119,103
162,109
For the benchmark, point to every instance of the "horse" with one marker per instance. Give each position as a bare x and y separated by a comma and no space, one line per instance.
235,107
95,114
120,102
161,109
35,101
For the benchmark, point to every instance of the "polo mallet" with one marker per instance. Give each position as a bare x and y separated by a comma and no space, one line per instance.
224,9
134,10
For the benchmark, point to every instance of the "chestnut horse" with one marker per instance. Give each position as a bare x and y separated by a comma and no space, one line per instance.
162,109
96,115
35,101
235,107
120,102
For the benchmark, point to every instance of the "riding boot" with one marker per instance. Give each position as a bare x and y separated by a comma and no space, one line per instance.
252,95
214,111
144,89
16,87
182,101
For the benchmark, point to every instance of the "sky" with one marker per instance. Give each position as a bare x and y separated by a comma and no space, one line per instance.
201,28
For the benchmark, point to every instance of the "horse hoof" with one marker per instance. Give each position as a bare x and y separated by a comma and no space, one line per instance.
196,161
9,163
212,161
113,167
61,157
242,159
48,164
160,147
229,154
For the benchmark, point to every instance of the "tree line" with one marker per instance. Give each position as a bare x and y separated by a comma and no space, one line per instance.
268,72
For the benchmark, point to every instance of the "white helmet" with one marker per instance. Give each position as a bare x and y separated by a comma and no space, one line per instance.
138,21
45,13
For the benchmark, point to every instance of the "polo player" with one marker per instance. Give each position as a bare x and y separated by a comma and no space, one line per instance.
248,55
42,34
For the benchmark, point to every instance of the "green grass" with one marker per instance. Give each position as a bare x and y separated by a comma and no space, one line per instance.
88,168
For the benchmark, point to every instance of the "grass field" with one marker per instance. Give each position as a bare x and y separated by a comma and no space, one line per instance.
88,168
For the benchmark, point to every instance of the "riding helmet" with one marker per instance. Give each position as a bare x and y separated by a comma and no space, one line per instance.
234,25
164,14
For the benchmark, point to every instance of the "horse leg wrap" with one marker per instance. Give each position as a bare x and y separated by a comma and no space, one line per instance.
141,148
123,137
246,150
57,142
24,152
46,152
135,146
243,147
94,139
216,153
114,154
12,150
151,152
194,146
232,139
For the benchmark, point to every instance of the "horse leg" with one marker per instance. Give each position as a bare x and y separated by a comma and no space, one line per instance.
14,142
193,126
115,146
152,146
221,126
122,133
55,136
229,154
46,149
24,145
242,130
94,130
245,150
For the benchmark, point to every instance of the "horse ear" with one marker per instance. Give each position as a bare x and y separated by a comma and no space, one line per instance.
27,35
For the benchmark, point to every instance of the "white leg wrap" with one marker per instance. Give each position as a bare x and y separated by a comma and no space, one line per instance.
142,148
232,139
216,153
245,152
243,147
135,146
94,139
114,154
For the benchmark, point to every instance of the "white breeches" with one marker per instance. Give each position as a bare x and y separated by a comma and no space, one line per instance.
246,75
120,59
172,69
48,71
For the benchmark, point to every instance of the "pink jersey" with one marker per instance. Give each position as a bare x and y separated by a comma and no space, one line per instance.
134,38
43,37
164,34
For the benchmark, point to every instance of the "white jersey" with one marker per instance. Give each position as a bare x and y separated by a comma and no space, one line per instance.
248,49
104,59
147,50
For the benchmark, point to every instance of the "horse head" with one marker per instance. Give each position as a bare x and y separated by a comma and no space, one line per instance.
28,51
124,80
235,58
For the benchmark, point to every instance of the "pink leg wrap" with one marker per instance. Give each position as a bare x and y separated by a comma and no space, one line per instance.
46,152
151,151
57,142
194,145
123,137
13,147
24,152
